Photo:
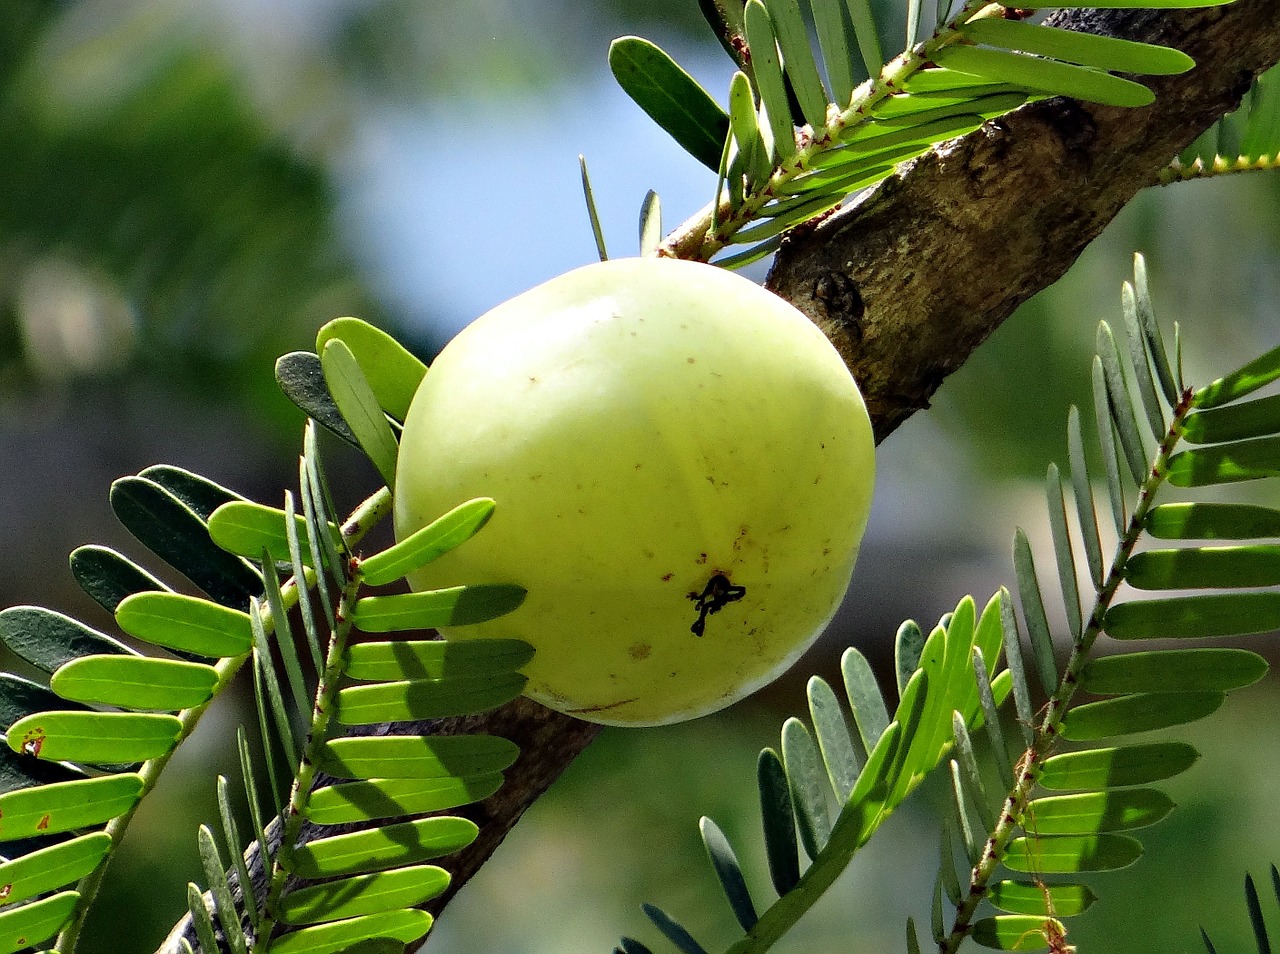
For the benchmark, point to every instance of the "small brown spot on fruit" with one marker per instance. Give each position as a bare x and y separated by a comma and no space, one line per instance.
666,577
690,360
640,651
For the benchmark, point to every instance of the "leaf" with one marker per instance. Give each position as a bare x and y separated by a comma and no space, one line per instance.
48,640
1069,854
1113,4
66,806
360,407
267,690
428,543
435,609
1194,617
779,822
729,872
1086,514
834,740
246,529
294,536
828,18
1121,404
1083,49
202,495
339,937
1256,374
171,530
109,577
1174,670
1233,422
806,779
1212,521
51,868
907,647
991,719
1087,813
1107,442
36,922
135,683
593,214
1256,920
766,73
797,58
960,798
201,919
1015,932
1048,76
364,894
1240,566
753,159
235,847
425,698
220,890
391,370
392,797
1125,765
650,223
1033,612
286,644
671,97
1025,897
379,849
182,622
97,738
865,29
1138,362
435,658
1144,712
1017,672
301,378
970,778
1226,463
414,756
673,930
1062,549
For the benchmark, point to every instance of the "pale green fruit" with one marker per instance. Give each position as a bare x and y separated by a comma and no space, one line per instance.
653,431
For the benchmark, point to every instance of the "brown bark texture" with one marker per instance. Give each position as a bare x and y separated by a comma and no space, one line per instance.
911,279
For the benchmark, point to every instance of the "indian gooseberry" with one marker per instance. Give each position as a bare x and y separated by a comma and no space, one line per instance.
682,466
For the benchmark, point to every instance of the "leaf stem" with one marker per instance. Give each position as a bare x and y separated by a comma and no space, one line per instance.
1013,810
368,514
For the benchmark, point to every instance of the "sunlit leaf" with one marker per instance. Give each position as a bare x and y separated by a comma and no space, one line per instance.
364,894
416,756
1087,813
135,683
378,849
339,936
184,622
428,543
1212,521
1068,854
1048,76
98,738
1025,897
1204,567
36,922
66,806
1015,932
391,370
1083,49
1256,374
1234,422
1194,617
432,609
426,698
51,868
248,528
393,797
1143,712
435,658
1226,463
1125,765
360,406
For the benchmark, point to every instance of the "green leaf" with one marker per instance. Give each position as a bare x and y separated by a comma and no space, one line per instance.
907,647
51,868
1195,617
1016,932
360,406
220,890
1256,374
1174,670
753,155
1025,897
435,658
49,640
135,683
19,771
393,797
267,688
778,819
1047,76
729,873
1212,521
364,894
436,609
971,788
1082,490
1087,813
236,847
301,378
36,922
867,32
1145,382
1017,671
391,370
834,740
1114,4
969,837
593,214
98,738
294,536
1121,404
809,792
673,930
201,919
1226,463
1143,712
338,937
828,18
109,577
797,58
1107,442
176,534
1225,567
416,756
991,719
1151,330
429,543
1062,549
186,623
671,97
379,849
650,223
246,528
937,80
1033,611
1083,49
1113,767
285,642
426,698
1069,854
66,806
1234,422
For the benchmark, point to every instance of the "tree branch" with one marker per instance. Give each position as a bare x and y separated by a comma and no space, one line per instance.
908,281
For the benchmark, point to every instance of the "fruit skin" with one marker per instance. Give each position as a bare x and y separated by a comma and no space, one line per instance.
645,426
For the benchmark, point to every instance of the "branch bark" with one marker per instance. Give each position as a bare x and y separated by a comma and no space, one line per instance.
910,280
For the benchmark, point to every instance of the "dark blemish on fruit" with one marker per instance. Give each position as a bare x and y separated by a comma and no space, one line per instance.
640,651
648,554
717,594
690,361
666,577
702,558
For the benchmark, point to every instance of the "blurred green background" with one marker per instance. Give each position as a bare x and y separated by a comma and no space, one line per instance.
188,189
